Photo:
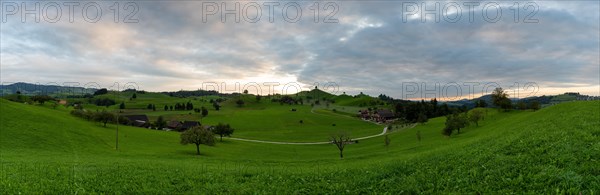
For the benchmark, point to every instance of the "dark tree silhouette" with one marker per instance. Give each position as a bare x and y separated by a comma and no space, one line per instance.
223,130
340,140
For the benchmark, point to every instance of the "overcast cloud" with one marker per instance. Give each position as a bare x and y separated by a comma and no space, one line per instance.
370,49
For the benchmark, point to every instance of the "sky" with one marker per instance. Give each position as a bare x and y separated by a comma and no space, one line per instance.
375,47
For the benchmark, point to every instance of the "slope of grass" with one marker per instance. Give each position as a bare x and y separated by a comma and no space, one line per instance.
556,149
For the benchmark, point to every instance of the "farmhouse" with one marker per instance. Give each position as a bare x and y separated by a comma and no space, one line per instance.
364,114
189,124
138,120
383,115
174,125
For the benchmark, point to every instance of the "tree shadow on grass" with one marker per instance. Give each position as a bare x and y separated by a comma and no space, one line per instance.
192,152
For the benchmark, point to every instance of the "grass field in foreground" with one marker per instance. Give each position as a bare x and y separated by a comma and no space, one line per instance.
552,150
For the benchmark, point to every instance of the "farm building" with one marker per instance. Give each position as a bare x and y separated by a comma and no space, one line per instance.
364,114
174,125
189,124
138,120
383,115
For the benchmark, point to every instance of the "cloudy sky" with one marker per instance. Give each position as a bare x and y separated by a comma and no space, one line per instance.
372,47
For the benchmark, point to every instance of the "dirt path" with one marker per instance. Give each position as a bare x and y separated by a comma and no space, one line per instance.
302,143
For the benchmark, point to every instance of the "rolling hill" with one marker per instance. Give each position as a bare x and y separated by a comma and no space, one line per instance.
553,150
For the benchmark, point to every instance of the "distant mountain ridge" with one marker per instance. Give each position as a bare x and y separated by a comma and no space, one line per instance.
318,94
39,89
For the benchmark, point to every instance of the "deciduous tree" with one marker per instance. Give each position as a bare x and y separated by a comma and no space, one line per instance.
340,140
475,116
104,117
500,99
223,130
198,135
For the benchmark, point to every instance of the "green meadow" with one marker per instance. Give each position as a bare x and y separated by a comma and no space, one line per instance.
47,150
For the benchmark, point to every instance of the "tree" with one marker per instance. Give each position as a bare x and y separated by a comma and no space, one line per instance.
160,122
134,96
455,121
204,112
521,105
447,131
101,92
123,120
386,141
216,106
245,91
340,140
189,106
149,107
223,130
422,118
104,117
122,106
166,108
419,135
198,135
535,105
240,103
480,103
258,97
153,107
475,116
41,98
500,99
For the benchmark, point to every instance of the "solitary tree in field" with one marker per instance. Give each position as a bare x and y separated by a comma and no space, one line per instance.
340,140
104,117
419,135
455,122
258,97
500,99
475,116
204,112
122,106
223,130
386,141
198,135
216,106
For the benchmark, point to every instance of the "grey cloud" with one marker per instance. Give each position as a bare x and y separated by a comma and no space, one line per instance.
172,44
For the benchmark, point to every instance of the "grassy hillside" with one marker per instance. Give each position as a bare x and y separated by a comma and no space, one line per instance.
552,150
